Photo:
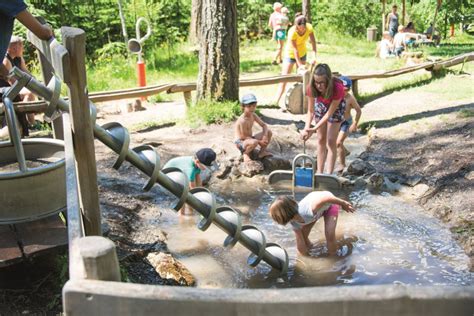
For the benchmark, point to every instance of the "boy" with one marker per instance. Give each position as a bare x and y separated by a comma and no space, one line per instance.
303,215
245,141
347,126
192,167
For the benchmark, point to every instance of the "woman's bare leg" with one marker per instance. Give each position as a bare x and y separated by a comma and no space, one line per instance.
321,137
332,132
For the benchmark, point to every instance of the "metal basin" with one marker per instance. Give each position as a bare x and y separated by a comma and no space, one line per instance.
36,192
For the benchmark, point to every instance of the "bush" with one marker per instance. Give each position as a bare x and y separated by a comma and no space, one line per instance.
210,111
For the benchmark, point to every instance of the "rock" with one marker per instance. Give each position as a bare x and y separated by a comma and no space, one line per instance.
359,183
469,175
360,167
272,163
376,181
420,189
345,182
391,186
413,180
126,108
250,168
137,105
224,169
171,270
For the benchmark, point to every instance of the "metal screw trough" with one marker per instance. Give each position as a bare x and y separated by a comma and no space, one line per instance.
145,158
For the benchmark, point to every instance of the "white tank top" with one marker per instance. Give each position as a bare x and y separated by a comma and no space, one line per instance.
306,212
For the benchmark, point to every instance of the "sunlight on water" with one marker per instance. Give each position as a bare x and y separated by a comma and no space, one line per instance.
387,241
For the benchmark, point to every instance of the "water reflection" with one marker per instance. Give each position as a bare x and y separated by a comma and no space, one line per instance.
387,241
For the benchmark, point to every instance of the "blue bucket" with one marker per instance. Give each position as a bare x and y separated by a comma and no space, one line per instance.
304,177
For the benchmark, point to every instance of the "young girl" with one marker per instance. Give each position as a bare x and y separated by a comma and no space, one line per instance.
348,125
326,105
303,216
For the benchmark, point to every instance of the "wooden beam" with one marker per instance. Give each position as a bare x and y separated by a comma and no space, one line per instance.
74,40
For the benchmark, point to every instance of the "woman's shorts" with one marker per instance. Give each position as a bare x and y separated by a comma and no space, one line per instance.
280,35
293,61
320,109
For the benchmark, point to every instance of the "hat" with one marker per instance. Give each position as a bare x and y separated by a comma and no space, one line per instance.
16,39
248,99
346,81
206,156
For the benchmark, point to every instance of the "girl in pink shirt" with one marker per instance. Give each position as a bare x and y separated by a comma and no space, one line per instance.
326,105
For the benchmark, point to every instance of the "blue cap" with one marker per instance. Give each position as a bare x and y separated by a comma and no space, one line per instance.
248,99
346,81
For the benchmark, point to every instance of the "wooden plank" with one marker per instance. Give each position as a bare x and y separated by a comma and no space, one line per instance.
40,236
75,42
10,252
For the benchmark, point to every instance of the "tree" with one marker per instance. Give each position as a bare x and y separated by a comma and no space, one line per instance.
219,51
195,25
307,9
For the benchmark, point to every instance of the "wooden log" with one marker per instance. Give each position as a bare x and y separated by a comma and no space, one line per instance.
453,61
10,251
75,40
42,236
99,258
355,88
187,98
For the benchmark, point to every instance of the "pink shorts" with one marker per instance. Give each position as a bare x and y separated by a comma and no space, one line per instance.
333,210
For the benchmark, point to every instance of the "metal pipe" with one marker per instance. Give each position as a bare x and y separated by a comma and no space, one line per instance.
163,180
13,131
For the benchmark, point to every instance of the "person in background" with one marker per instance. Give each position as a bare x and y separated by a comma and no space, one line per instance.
14,58
274,22
326,106
399,44
303,215
9,10
385,47
392,21
348,125
192,167
295,49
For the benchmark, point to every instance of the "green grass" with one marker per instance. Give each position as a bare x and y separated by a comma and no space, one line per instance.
210,112
466,113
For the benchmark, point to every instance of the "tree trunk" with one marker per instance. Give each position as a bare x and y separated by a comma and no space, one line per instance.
195,25
219,51
307,10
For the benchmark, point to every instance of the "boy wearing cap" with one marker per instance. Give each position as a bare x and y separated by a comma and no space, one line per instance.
192,167
348,125
245,141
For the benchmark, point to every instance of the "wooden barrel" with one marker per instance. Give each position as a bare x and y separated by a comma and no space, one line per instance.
294,101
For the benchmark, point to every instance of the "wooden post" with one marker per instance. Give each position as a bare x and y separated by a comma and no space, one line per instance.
187,98
47,73
355,88
99,258
74,40
403,12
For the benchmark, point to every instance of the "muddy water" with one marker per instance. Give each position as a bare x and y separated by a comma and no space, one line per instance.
387,241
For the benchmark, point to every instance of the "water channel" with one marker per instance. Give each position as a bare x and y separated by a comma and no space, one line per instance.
387,241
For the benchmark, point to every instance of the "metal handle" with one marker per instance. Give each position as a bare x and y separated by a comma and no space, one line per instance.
13,131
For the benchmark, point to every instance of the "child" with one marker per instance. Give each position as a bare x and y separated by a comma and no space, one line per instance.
386,49
305,214
274,24
347,126
192,167
326,105
245,141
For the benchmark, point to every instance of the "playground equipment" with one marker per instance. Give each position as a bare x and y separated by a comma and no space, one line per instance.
30,193
303,176
135,46
145,158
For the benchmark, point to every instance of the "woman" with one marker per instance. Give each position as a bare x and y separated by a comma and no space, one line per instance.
295,50
326,105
